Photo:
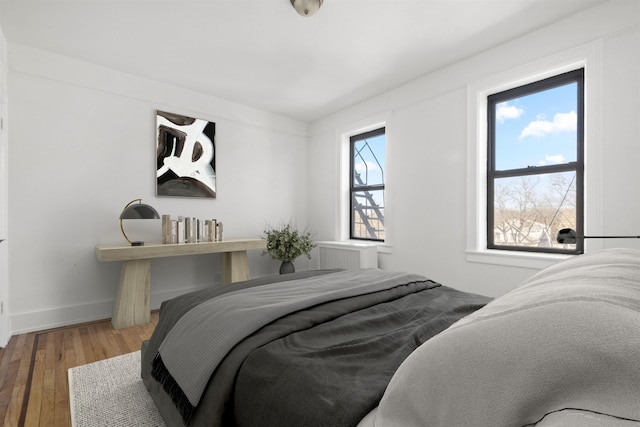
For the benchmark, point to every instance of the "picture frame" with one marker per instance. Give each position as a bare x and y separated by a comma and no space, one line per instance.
185,156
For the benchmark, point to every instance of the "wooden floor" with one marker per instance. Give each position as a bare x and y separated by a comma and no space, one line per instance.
34,389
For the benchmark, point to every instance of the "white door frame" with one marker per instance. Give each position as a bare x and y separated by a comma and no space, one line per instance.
5,320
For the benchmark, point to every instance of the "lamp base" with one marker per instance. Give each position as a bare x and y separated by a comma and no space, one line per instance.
137,243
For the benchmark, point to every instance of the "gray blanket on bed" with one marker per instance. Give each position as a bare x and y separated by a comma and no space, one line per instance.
220,388
201,339
335,373
329,363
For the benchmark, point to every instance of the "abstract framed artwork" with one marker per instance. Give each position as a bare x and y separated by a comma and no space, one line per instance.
186,156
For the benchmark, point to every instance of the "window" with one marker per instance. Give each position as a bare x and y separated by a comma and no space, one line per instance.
535,164
366,176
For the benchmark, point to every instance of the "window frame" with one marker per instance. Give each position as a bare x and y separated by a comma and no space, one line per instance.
377,131
548,83
588,55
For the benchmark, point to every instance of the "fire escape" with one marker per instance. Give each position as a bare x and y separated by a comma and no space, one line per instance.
366,211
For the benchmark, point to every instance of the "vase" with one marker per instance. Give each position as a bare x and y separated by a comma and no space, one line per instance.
287,267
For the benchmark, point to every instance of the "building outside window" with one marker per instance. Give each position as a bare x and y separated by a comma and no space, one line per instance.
367,165
535,164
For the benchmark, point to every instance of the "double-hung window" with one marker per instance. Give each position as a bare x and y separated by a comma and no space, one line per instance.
535,164
367,164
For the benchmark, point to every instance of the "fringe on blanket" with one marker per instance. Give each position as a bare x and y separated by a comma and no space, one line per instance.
161,374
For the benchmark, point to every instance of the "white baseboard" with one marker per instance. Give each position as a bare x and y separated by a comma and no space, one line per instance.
71,315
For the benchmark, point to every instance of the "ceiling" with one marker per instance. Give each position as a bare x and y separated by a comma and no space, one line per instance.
263,54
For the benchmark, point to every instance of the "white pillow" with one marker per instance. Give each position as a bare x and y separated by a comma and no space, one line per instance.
569,337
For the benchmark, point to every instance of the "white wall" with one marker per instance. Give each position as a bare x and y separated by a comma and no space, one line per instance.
82,144
427,165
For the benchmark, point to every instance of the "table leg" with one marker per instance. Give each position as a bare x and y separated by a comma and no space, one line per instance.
235,266
132,300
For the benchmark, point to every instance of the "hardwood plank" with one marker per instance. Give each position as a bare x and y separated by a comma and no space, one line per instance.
47,409
20,343
78,349
8,392
12,416
6,374
32,417
61,397
17,411
87,348
34,389
50,351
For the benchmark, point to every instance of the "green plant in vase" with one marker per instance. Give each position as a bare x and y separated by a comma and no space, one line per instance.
286,244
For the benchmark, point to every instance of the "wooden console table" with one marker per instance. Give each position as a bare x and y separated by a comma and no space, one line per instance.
134,288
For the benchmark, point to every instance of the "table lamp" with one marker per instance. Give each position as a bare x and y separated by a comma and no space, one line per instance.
569,236
137,211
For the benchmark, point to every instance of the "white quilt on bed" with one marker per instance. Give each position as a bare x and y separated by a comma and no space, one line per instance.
569,337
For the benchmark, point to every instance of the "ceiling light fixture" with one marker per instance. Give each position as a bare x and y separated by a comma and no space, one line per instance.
306,7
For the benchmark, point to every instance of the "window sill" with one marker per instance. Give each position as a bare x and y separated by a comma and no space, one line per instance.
535,261
382,247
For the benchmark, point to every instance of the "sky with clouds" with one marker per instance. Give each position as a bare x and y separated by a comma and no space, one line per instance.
537,129
533,130
371,162
370,165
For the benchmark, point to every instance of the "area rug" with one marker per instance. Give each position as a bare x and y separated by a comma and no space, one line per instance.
111,393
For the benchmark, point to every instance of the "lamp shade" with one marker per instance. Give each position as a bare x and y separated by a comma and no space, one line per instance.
569,236
306,7
138,210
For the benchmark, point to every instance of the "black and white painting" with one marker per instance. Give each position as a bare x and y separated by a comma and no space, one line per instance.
186,156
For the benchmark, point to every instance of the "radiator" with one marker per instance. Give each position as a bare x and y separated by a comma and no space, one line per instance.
347,255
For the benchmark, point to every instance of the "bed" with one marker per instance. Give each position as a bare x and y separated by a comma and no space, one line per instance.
373,347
